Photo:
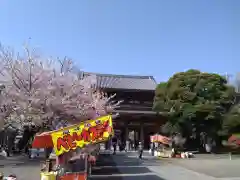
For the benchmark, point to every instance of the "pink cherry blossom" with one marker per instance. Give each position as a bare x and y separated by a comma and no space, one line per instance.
35,89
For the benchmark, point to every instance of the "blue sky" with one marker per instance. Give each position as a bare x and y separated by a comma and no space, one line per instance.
143,37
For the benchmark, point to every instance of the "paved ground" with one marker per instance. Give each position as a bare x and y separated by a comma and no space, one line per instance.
121,167
219,166
24,168
206,167
126,166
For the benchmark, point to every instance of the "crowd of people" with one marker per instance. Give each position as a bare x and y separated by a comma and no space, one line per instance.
128,146
14,140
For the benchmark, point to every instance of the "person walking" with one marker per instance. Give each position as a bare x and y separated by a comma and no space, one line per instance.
114,143
23,142
9,139
152,148
140,149
31,151
2,134
127,145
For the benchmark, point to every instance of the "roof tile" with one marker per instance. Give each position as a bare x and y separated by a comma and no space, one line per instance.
124,81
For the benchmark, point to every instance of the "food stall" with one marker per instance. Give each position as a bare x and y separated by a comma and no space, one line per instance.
161,145
79,142
233,144
163,148
234,140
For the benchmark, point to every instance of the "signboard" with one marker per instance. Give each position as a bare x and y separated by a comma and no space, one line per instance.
89,132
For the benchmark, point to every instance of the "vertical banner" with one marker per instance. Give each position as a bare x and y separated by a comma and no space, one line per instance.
89,132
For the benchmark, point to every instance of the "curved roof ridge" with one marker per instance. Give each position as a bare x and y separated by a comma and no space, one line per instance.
123,75
123,81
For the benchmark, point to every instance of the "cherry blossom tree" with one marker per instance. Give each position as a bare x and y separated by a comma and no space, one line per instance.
38,90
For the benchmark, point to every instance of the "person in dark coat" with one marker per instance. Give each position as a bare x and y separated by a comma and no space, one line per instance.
23,143
32,132
9,135
114,143
140,149
2,134
152,145
11,141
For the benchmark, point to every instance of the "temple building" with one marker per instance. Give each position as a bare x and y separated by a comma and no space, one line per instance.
136,120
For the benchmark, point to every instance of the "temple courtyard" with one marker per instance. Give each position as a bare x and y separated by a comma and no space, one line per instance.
215,165
126,166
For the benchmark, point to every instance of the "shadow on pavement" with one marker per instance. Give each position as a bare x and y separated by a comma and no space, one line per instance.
126,170
122,160
121,167
20,161
144,177
111,167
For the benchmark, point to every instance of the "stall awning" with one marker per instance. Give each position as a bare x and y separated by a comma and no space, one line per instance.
160,139
78,135
43,140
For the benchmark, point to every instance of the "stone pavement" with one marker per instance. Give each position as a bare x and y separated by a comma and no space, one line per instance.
22,167
130,166
218,165
208,167
122,166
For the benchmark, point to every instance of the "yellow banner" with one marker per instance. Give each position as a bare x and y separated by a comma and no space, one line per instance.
89,132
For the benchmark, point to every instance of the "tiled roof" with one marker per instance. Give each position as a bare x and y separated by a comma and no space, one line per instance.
134,112
124,81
